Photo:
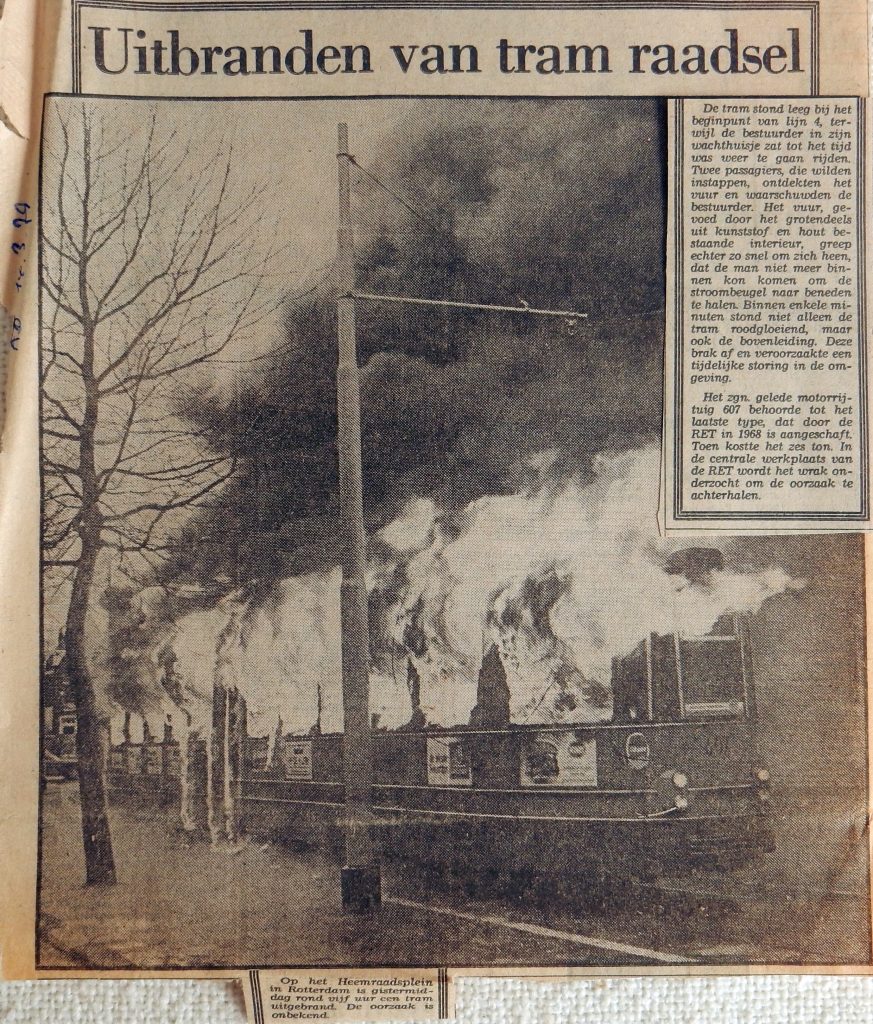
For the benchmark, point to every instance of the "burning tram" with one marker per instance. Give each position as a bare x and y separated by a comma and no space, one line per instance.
668,776
672,779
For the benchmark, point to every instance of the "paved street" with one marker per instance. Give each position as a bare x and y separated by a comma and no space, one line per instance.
180,901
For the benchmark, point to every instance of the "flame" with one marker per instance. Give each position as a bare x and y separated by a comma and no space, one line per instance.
562,577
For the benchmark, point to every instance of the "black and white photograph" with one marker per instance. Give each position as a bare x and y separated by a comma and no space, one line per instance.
361,642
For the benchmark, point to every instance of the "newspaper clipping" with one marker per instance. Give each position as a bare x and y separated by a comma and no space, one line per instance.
433,495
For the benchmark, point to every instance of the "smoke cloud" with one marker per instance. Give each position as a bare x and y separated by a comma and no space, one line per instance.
562,576
557,204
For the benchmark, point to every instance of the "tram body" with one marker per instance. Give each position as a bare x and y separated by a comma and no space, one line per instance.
672,780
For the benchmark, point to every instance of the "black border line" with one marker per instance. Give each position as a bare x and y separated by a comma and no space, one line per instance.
42,969
322,98
257,1002
679,511
810,7
442,993
678,156
862,281
814,43
863,650
41,472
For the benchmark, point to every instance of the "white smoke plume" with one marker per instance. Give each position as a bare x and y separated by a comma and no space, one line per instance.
562,577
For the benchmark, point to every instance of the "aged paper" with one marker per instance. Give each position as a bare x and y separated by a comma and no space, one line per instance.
434,493
348,995
767,377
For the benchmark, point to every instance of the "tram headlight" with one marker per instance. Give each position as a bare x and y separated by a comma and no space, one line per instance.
762,776
680,802
680,780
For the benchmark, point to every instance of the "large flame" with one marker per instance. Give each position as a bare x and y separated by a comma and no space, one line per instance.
562,577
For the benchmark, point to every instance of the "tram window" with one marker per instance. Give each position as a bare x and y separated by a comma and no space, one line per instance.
665,679
630,698
712,677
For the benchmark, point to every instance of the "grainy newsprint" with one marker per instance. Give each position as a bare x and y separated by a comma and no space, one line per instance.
770,388
435,483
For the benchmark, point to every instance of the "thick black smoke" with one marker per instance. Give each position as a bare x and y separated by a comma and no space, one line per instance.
556,204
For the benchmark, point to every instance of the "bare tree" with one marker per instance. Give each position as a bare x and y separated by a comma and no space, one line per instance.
154,260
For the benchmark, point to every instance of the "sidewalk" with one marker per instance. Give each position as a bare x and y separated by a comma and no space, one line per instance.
181,902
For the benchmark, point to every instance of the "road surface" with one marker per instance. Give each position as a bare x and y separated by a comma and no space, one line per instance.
182,902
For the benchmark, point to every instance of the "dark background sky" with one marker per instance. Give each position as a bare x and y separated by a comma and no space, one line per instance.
561,204
557,203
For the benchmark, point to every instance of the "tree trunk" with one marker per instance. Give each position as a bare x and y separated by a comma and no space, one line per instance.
99,860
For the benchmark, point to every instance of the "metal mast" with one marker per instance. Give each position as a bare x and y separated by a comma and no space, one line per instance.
360,880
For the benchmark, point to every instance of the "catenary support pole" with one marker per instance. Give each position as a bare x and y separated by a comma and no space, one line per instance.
360,879
566,314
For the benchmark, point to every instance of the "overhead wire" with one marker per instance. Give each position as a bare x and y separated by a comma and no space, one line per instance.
451,237
403,202
438,229
446,233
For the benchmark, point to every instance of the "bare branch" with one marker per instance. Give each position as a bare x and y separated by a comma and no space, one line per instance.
155,261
